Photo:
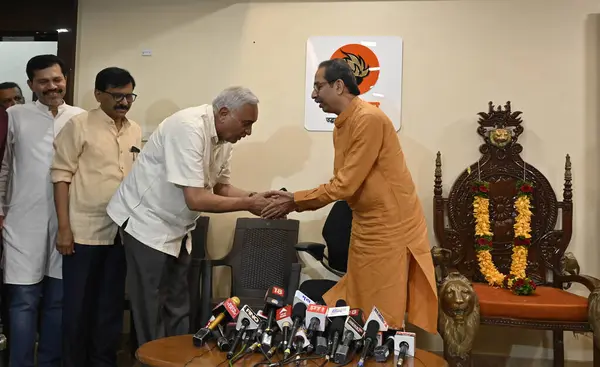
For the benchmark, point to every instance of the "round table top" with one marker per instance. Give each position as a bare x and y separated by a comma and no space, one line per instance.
178,351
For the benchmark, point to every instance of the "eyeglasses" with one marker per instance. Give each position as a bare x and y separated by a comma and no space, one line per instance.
318,86
118,97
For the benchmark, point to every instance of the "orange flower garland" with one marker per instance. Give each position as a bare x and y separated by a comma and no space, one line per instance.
517,280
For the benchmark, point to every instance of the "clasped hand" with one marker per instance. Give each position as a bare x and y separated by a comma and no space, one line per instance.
273,204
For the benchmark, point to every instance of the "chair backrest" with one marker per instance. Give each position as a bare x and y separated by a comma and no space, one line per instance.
502,166
336,233
262,255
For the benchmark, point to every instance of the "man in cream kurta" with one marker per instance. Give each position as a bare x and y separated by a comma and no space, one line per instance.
389,261
32,266
94,152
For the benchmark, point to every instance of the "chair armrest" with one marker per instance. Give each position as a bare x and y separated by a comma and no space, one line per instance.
314,249
332,270
589,282
442,259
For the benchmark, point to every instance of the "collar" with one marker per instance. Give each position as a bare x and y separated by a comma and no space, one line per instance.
349,111
212,130
104,117
45,109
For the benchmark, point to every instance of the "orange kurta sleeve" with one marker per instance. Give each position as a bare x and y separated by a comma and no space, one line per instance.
366,138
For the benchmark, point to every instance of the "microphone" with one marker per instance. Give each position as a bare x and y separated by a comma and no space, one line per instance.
274,299
223,312
300,340
337,325
315,319
383,351
402,354
358,315
352,331
247,320
284,320
222,341
405,344
298,313
372,329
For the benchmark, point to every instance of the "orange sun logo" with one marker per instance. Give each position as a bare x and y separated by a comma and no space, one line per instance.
363,62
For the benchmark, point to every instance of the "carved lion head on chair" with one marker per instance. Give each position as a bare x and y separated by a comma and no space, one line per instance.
594,313
459,320
500,137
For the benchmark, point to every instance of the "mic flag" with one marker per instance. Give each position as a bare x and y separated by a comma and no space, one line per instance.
246,313
378,317
315,317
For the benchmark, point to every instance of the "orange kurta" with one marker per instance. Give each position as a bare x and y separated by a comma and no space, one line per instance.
389,262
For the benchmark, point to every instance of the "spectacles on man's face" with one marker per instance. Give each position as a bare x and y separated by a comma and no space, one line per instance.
118,97
319,85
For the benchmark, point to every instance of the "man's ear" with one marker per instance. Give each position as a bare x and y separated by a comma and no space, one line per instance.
97,94
339,87
224,111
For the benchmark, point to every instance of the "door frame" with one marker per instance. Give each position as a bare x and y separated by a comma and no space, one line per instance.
37,17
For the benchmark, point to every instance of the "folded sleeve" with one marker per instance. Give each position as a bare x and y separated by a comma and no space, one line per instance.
184,154
68,146
366,139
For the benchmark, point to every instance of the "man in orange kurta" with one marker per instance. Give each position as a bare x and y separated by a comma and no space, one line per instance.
389,263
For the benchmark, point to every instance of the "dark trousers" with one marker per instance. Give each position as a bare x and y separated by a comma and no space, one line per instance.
26,304
157,284
94,287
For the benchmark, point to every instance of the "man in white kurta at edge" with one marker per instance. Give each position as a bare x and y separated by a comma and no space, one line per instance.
32,265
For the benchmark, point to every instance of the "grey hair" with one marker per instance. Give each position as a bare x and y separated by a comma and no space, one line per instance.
233,98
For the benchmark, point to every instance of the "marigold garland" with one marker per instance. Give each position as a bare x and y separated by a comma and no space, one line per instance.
517,280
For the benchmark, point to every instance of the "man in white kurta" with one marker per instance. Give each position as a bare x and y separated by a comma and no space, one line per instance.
183,169
32,265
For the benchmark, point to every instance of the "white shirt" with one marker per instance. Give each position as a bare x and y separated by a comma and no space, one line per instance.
31,225
184,150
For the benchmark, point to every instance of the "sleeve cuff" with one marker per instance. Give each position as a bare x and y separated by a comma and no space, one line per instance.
61,176
179,181
299,199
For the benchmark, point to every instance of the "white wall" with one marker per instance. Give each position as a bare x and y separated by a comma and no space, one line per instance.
458,55
14,56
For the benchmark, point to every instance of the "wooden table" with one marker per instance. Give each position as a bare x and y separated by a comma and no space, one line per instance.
179,351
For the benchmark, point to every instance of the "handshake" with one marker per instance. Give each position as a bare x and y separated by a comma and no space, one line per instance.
276,204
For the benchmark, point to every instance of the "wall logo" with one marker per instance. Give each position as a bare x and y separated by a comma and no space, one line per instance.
367,56
363,62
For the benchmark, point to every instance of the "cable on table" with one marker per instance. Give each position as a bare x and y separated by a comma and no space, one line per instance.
198,356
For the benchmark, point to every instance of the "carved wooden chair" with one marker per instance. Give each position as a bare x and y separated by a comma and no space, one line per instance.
551,307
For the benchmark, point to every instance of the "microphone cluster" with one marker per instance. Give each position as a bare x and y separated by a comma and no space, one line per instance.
303,330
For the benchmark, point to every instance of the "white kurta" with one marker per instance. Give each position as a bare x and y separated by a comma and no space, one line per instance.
30,225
